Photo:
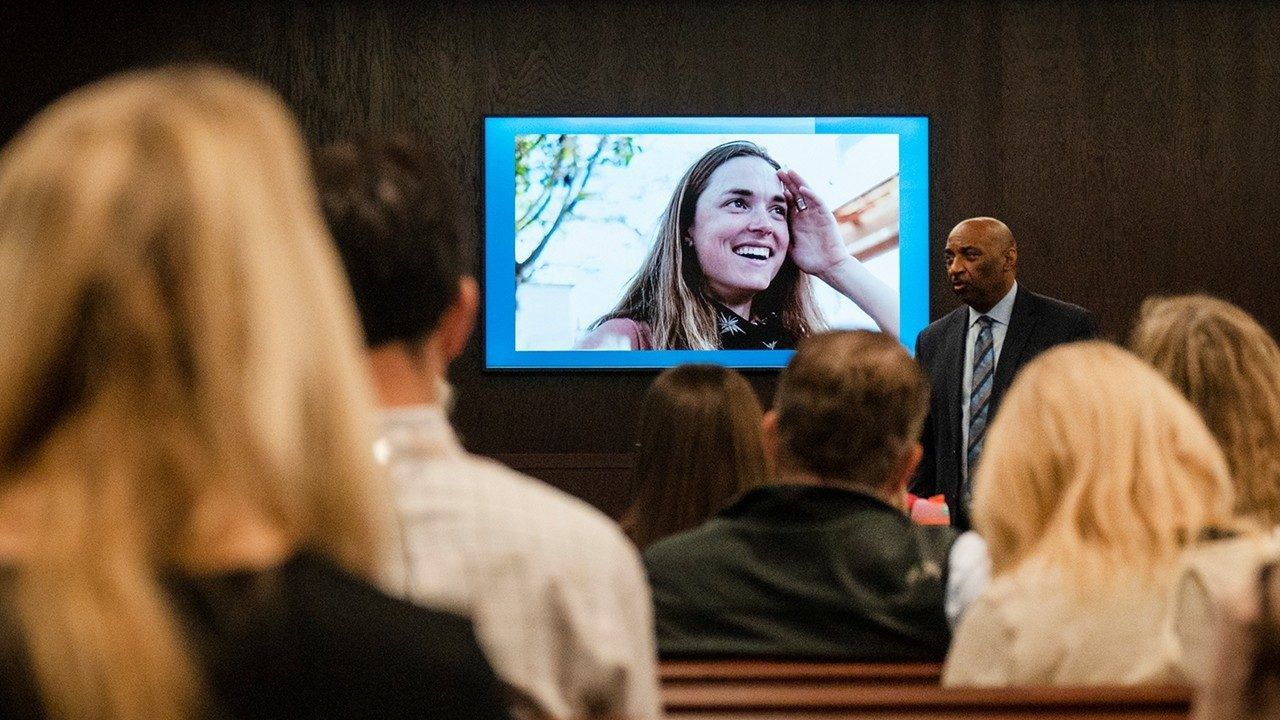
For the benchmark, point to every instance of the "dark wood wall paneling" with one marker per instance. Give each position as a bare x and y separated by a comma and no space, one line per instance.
1131,146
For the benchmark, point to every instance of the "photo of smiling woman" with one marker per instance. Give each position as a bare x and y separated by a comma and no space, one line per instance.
731,265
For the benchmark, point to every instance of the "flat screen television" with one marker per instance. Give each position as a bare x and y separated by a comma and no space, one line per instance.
645,242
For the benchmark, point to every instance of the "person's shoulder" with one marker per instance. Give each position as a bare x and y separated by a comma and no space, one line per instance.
1230,561
618,334
1054,307
369,650
982,647
674,545
340,603
939,538
929,338
540,529
1059,321
938,326
540,503
1008,601
890,533
687,550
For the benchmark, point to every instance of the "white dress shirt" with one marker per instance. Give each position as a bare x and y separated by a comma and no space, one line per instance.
1000,315
557,593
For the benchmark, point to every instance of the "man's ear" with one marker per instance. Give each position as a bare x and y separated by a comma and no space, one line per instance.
769,433
906,468
1011,257
459,319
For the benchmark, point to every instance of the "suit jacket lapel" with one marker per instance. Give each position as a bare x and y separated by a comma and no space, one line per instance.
954,341
1021,323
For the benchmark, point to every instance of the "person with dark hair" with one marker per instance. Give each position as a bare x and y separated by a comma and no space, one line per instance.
555,588
700,447
824,562
406,261
730,266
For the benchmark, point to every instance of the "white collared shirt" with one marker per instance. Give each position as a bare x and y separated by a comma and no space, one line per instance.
557,593
1000,315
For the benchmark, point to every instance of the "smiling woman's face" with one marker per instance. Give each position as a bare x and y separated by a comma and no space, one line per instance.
739,229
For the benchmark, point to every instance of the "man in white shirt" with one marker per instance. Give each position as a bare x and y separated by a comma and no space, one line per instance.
972,354
557,593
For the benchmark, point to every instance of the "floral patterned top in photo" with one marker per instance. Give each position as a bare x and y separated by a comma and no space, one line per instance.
765,333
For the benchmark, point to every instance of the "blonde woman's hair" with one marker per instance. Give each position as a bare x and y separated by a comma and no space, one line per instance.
175,329
1099,469
1227,365
670,292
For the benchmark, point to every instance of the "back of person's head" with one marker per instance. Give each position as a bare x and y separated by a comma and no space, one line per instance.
177,353
850,407
391,212
1227,365
700,446
1096,466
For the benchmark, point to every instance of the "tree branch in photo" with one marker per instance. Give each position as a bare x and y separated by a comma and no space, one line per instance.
576,191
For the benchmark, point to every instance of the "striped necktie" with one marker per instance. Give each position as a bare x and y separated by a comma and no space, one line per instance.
984,366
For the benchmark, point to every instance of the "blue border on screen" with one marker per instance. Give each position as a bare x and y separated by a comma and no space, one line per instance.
499,191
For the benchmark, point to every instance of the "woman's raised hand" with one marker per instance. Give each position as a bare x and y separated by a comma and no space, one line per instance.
816,245
818,249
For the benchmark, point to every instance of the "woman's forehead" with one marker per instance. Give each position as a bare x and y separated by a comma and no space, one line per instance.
745,173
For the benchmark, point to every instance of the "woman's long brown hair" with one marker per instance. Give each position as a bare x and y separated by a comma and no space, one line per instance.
700,447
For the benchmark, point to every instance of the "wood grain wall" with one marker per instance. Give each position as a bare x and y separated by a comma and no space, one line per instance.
1131,146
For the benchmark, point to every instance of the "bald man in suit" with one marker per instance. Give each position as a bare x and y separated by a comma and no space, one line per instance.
973,353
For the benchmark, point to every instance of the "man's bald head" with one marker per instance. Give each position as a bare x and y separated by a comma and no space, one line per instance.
982,261
994,231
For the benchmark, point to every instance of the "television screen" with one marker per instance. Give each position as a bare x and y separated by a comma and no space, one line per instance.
649,242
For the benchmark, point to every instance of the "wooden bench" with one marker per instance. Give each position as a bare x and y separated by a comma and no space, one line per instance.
776,702
724,673
765,690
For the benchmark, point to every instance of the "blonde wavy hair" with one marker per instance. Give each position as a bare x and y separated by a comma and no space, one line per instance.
176,339
1227,365
1099,469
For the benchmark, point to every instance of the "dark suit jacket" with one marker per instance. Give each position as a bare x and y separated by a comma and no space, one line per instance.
1036,324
